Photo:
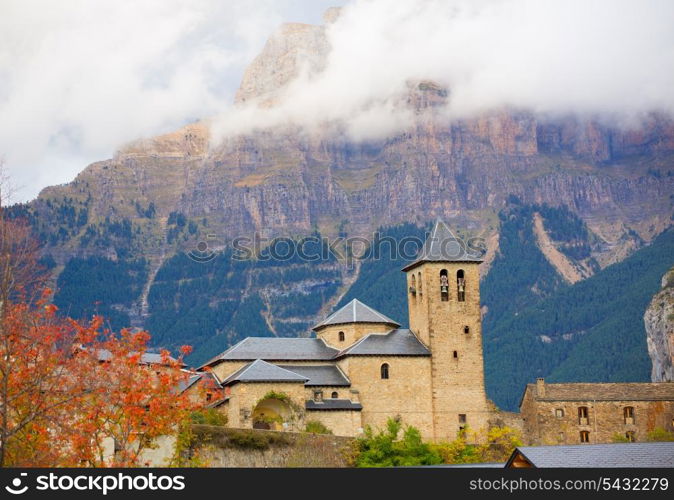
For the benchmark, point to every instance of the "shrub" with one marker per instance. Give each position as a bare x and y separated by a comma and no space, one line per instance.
315,427
660,434
384,449
209,416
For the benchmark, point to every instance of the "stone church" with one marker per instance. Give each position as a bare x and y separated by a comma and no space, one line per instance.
363,368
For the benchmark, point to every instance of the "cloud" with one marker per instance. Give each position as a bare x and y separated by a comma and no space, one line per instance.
607,58
80,78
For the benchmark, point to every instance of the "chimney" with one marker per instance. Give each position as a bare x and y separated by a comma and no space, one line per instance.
540,387
355,396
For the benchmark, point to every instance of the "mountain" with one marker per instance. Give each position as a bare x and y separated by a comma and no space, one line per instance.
146,236
659,323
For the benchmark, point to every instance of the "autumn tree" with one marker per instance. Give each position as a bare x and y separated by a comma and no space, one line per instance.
69,388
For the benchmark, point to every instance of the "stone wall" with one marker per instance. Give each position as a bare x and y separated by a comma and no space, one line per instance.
223,447
405,394
558,422
353,332
244,397
341,423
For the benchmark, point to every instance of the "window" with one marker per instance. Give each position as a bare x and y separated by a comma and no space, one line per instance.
462,418
631,437
561,437
318,396
421,290
466,329
628,414
582,415
584,436
559,413
209,396
384,371
461,285
341,336
444,286
334,395
456,354
413,286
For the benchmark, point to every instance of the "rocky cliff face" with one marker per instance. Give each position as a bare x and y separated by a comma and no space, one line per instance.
659,321
286,181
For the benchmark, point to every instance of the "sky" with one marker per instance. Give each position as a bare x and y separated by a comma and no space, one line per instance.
78,79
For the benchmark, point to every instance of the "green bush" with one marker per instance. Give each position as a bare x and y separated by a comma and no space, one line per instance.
384,449
209,416
315,427
660,434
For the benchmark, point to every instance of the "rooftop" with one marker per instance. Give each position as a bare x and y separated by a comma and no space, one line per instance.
598,455
619,391
443,246
320,375
333,405
261,371
355,312
400,342
276,349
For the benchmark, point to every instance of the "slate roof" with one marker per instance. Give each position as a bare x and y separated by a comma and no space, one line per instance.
277,349
620,391
355,312
333,405
400,342
150,358
599,455
183,385
321,375
261,371
443,246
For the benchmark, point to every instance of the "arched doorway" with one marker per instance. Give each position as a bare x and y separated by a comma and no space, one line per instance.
270,414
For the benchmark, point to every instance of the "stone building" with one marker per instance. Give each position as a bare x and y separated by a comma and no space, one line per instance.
361,368
576,413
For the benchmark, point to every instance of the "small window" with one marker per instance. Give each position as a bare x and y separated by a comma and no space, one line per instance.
444,286
582,415
209,396
631,437
456,354
384,371
341,336
466,329
462,418
421,289
413,286
559,413
584,436
628,414
561,437
461,285
334,395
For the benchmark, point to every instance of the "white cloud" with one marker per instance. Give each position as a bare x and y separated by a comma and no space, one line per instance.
79,78
611,58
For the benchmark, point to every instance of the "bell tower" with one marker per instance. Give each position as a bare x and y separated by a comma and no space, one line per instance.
443,293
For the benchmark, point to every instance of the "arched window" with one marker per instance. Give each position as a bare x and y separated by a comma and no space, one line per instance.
384,371
628,413
413,286
444,286
334,395
341,336
466,329
461,285
421,290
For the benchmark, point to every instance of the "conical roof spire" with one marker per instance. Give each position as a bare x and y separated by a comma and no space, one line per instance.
443,246
356,312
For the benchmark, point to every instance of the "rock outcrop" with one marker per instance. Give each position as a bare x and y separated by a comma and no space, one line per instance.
659,321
